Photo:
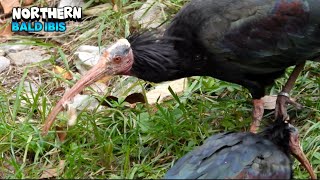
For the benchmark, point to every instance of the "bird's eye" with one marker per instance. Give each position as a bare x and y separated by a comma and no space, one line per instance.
117,59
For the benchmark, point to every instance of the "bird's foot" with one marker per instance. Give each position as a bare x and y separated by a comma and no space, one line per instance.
281,105
257,115
296,150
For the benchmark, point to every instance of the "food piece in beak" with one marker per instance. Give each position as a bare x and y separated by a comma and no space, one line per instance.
117,59
297,152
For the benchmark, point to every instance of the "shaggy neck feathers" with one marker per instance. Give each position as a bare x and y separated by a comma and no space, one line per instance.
279,133
156,58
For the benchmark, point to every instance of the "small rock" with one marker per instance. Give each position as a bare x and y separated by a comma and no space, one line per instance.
99,87
30,87
97,10
4,63
150,14
89,59
31,90
14,48
2,52
120,89
87,48
88,56
71,3
81,102
27,56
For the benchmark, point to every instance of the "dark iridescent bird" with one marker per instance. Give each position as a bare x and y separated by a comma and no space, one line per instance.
244,156
248,42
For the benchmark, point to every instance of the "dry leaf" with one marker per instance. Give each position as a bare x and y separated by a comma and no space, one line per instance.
5,29
53,172
72,114
27,2
134,98
105,79
61,133
269,102
58,90
115,8
7,5
161,91
65,74
108,99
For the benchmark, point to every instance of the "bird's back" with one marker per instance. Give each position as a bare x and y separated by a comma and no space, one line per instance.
233,155
259,35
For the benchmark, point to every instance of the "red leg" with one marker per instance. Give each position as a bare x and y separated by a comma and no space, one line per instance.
257,115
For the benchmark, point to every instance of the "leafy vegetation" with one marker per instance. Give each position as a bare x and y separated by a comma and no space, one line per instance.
122,142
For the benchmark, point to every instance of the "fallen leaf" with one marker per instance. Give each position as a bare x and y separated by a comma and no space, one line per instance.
108,99
61,133
65,74
5,29
115,8
105,79
53,172
134,98
269,102
72,114
57,90
162,93
7,5
27,2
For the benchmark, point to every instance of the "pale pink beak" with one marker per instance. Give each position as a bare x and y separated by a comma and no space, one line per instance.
94,74
301,157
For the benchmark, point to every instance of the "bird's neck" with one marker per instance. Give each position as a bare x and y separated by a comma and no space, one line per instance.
158,59
279,134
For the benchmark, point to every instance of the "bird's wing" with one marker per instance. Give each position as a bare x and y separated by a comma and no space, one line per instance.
261,34
187,167
268,163
264,34
231,156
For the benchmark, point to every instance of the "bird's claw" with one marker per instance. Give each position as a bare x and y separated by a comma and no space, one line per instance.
295,104
283,100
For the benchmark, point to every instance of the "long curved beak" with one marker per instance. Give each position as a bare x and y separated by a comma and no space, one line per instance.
301,157
94,74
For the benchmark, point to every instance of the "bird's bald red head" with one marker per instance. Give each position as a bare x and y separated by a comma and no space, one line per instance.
115,60
118,58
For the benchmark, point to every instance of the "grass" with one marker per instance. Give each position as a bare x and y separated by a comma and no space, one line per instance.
122,142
